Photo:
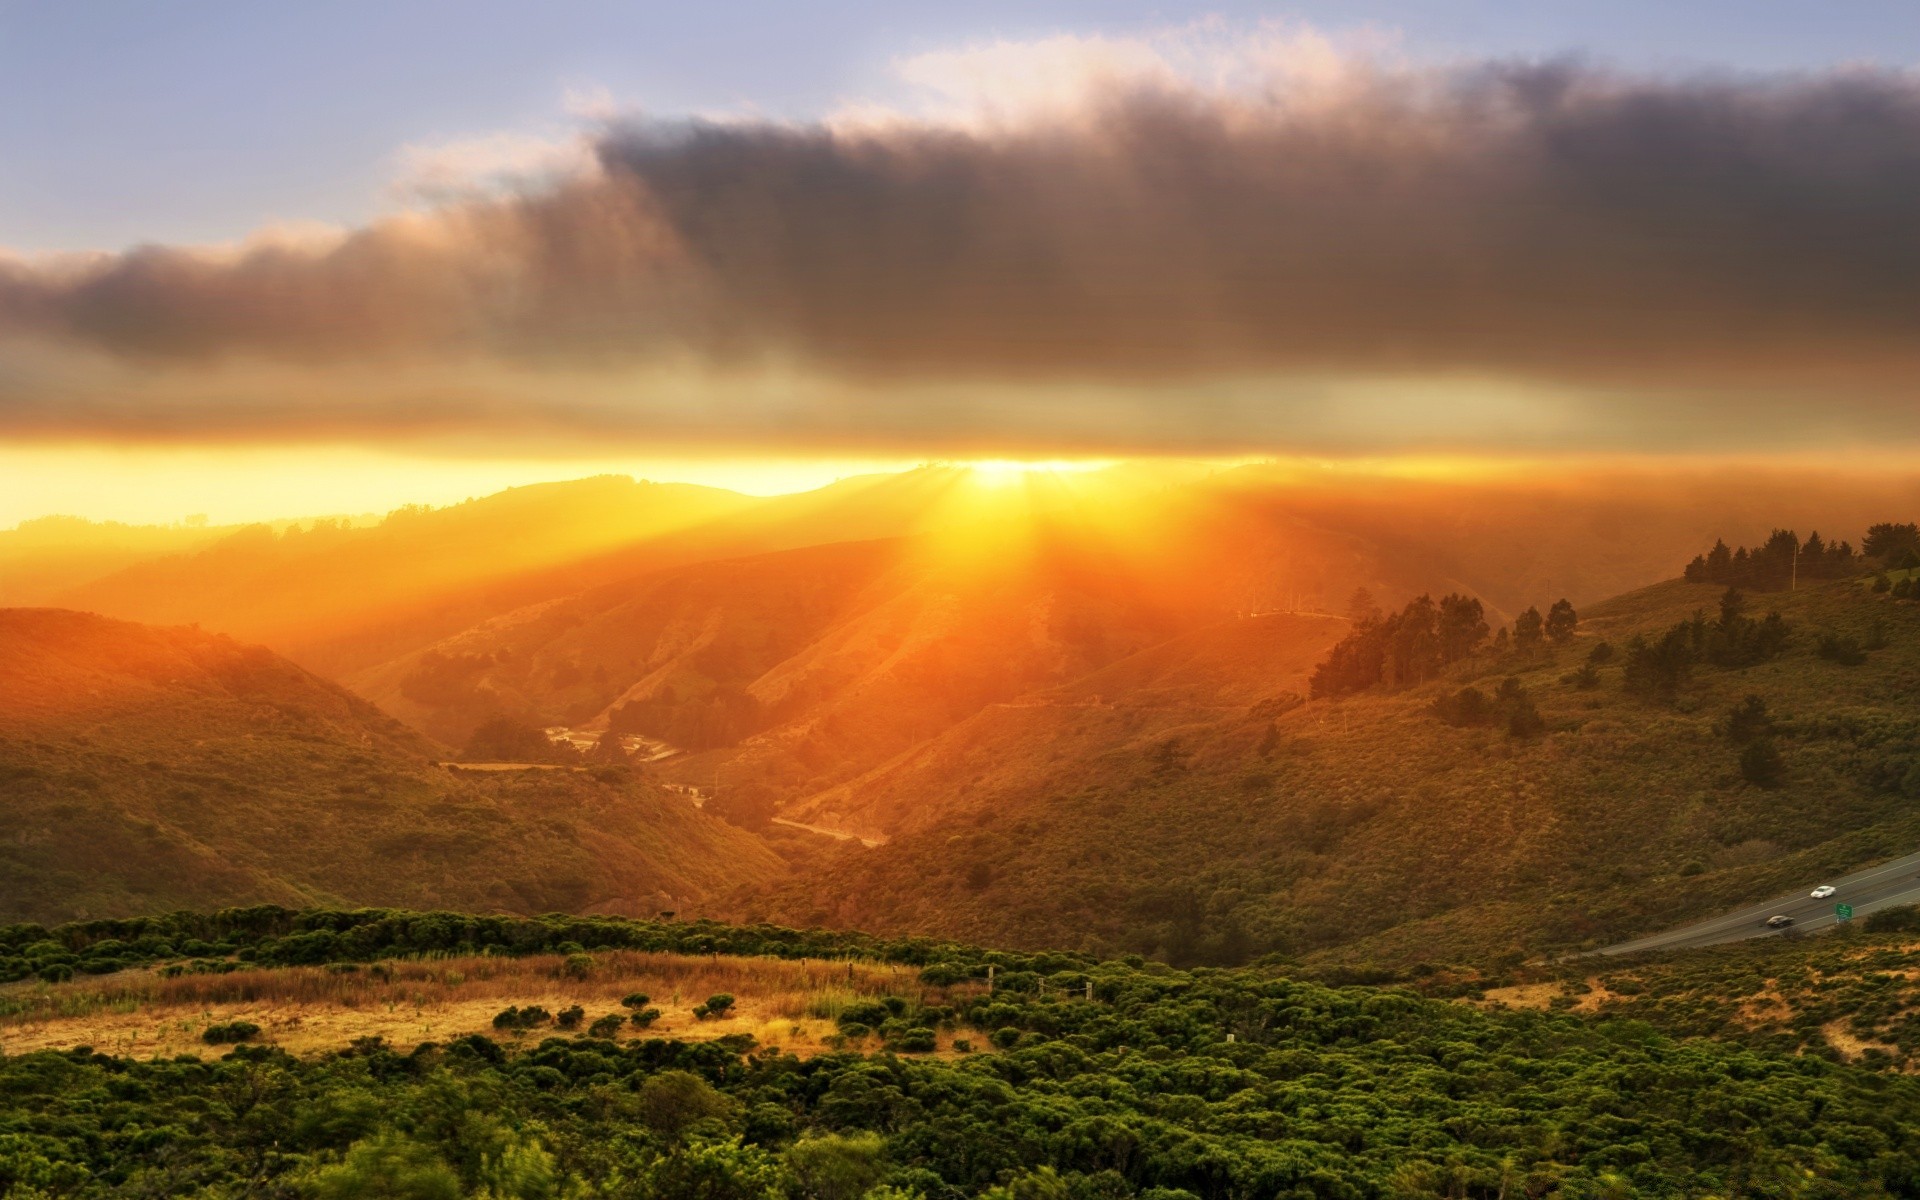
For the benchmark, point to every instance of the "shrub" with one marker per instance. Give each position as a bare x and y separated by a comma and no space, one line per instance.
673,1100
521,1018
570,1018
1841,649
635,1000
1761,764
1748,720
1466,707
837,1166
577,966
918,1040
230,1032
646,1017
1902,918
608,1026
717,1005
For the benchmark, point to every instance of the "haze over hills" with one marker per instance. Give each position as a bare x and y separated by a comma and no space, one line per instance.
1073,705
147,769
47,557
1371,829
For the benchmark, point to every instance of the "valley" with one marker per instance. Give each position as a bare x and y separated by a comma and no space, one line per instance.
1006,721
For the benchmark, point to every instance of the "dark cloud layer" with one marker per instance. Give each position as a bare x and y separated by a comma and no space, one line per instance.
1541,222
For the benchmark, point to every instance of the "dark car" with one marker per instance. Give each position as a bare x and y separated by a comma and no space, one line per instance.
1779,922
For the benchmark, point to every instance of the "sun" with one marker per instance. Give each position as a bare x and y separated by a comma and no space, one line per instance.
1004,472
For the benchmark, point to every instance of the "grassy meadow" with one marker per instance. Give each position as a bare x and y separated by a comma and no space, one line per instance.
791,1004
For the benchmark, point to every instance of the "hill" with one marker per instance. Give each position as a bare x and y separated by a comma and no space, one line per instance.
1847,995
144,769
968,1072
44,558
330,594
1369,829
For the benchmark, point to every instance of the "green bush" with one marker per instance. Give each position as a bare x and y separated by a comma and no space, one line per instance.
229,1032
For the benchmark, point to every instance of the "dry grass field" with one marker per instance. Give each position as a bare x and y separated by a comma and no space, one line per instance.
790,1004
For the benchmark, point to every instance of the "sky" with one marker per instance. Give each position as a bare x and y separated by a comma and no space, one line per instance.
261,255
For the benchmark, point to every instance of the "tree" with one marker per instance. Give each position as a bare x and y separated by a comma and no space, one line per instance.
1732,606
1361,608
1888,540
1463,626
505,739
1561,622
1528,630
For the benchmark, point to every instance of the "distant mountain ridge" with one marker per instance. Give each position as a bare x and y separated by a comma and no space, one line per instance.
143,769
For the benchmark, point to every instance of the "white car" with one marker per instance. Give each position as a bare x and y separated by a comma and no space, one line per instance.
1823,891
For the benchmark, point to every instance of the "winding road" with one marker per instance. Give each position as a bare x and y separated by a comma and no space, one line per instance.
1884,886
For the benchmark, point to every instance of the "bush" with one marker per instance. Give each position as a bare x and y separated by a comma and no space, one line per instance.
229,1033
1467,707
1761,764
1841,649
717,1005
521,1018
608,1026
570,1018
672,1101
1748,721
837,1166
577,966
635,1000
1902,918
646,1017
918,1040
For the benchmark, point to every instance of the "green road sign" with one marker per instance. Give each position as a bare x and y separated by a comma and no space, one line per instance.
1843,912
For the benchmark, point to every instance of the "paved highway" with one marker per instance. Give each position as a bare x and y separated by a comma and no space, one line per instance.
1890,883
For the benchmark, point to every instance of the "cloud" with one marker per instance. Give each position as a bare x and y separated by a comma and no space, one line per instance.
475,168
1231,236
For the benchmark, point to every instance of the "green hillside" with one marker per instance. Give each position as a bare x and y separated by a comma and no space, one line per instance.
1368,829
1056,1077
145,769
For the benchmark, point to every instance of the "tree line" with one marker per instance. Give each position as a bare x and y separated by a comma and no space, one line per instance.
1783,558
1415,644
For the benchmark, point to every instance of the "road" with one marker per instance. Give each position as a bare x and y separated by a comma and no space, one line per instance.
1889,884
867,840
